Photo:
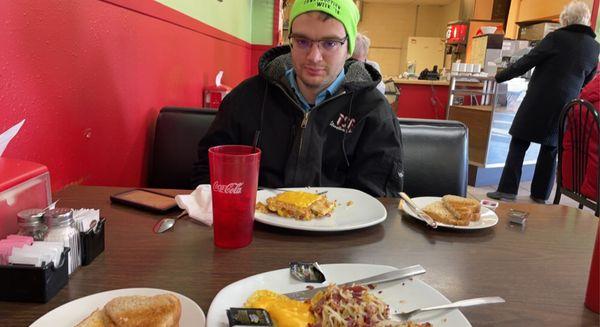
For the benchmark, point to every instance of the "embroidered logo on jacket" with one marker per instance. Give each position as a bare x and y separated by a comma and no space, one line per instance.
343,123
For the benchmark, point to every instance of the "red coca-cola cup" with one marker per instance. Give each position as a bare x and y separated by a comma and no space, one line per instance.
592,296
234,181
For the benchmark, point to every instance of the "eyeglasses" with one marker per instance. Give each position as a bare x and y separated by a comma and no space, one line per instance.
325,46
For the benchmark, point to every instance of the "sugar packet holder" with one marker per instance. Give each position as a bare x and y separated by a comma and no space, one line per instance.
92,242
25,283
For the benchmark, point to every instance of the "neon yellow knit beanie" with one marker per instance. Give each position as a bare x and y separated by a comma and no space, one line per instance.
344,11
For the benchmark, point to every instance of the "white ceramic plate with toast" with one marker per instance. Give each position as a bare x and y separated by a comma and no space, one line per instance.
354,210
401,296
488,217
71,313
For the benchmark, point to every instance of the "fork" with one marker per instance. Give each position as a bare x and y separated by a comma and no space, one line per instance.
404,316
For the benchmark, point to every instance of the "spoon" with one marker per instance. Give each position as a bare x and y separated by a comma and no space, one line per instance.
50,206
165,224
307,272
93,225
404,316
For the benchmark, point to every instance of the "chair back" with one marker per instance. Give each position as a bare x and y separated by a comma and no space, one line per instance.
435,152
435,157
175,145
578,153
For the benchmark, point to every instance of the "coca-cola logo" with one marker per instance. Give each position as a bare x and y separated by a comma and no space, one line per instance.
231,188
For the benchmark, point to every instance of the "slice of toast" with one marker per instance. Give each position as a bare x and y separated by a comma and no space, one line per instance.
98,318
462,208
462,213
438,211
160,310
459,202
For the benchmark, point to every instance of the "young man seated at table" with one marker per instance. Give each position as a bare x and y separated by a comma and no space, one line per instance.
320,118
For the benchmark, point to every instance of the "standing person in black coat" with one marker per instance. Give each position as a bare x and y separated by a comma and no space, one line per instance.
565,60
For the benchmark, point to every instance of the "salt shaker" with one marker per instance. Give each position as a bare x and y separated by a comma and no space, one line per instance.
31,223
62,229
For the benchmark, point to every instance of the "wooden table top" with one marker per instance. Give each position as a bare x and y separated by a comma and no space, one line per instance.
541,270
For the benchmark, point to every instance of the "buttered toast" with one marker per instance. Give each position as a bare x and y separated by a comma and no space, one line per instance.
454,210
98,318
462,208
162,310
438,211
459,201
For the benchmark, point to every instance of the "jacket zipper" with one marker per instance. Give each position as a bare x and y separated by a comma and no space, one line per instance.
305,119
302,127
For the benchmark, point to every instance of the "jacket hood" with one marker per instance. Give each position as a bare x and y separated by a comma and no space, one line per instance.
275,62
577,28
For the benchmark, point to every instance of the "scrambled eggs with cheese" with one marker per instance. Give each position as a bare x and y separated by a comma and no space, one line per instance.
284,311
298,205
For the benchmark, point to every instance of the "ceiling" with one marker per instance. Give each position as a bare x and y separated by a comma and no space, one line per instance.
415,2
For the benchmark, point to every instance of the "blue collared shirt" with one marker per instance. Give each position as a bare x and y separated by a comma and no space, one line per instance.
290,74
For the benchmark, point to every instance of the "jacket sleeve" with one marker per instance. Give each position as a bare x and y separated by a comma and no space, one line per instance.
536,56
376,165
223,130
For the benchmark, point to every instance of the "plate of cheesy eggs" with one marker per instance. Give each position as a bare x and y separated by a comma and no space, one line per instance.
403,295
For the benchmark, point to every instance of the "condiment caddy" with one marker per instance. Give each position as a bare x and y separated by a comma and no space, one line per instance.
50,245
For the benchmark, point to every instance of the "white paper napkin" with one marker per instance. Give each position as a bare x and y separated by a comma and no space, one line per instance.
198,204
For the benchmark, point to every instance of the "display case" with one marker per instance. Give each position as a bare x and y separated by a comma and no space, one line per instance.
488,110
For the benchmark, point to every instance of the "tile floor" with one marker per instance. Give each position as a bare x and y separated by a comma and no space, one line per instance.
523,196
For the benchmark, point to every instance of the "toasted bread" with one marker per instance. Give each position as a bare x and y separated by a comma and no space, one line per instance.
460,213
460,202
98,318
462,208
438,211
160,310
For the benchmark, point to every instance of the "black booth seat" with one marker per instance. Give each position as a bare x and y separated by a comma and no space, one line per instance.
435,152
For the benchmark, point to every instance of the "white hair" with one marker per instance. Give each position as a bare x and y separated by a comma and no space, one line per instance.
576,12
361,49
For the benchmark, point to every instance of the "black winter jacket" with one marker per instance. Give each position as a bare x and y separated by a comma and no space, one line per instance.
565,60
351,139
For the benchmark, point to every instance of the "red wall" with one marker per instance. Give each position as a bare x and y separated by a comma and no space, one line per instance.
257,52
90,76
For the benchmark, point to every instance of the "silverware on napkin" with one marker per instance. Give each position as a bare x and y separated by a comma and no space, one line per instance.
402,273
418,210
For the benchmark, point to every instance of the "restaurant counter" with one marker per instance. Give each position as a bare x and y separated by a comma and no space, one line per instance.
421,98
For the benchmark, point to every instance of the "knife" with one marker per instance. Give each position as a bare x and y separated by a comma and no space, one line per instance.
418,210
381,278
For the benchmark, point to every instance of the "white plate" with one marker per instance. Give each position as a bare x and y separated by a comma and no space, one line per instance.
400,296
364,211
71,313
488,217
